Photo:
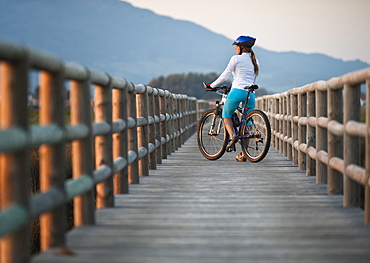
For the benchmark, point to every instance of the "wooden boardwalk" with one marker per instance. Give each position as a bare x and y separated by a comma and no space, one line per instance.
194,210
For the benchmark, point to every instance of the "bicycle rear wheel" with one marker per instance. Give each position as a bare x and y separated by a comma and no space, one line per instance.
257,129
212,136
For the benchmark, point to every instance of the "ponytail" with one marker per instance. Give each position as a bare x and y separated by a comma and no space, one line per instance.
255,64
253,56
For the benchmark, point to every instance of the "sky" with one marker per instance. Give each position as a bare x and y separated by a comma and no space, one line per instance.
337,28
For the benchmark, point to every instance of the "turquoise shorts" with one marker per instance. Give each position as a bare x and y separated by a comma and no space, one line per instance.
233,100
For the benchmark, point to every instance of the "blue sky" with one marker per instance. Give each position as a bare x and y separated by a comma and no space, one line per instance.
338,28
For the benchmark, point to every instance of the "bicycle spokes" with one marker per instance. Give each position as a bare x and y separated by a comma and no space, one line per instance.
257,135
212,136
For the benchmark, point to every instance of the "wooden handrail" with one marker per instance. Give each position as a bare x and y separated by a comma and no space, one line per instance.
108,152
321,130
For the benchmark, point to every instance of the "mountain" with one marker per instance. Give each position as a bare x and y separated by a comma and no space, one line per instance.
113,36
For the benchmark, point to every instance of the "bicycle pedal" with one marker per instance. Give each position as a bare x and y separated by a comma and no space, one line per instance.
231,149
230,145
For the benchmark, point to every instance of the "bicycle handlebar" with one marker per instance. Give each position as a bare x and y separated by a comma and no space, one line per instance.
227,89
208,88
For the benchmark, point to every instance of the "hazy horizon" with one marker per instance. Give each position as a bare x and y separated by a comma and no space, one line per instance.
337,28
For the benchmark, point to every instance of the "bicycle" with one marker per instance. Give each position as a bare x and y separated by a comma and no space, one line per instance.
253,130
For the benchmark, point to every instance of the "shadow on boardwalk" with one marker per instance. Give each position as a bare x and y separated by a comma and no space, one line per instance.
194,210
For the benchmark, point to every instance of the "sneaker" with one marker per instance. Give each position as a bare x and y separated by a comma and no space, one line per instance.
240,157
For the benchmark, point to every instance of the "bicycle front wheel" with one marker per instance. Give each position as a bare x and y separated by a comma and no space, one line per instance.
212,136
255,135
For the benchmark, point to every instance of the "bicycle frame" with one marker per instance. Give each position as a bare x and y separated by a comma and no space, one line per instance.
243,111
217,112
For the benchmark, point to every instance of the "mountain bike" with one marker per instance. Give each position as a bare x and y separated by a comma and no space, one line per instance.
252,128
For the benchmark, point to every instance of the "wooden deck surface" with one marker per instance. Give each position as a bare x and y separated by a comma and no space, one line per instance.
194,210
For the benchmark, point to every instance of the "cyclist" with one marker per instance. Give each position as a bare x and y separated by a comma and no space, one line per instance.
245,68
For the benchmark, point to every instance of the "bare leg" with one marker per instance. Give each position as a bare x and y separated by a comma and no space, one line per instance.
229,126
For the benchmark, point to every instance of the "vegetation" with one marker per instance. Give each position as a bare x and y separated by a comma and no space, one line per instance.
34,183
191,84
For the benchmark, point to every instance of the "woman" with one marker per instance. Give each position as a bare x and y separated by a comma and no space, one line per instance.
244,67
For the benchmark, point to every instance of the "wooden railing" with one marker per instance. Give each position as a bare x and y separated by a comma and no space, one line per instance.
318,127
116,137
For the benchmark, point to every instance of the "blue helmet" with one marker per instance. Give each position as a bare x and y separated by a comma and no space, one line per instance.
245,41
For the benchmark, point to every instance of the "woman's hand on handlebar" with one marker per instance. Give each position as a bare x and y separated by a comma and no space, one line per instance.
208,86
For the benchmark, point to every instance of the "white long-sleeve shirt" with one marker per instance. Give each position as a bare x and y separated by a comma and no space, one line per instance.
242,68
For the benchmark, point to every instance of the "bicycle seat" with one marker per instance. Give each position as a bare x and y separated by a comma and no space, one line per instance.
251,87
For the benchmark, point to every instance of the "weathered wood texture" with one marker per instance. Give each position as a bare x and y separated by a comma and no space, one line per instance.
327,136
112,142
194,210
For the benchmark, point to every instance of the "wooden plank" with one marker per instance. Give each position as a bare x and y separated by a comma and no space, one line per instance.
194,210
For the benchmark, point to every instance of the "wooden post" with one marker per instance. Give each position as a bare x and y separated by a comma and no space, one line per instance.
189,123
281,123
335,144
302,112
199,108
285,124
289,126
133,169
120,148
184,119
185,114
52,158
163,125
103,145
171,123
195,120
157,125
351,149
311,134
82,156
142,131
367,156
275,130
272,120
176,102
14,172
321,136
294,108
187,118
151,128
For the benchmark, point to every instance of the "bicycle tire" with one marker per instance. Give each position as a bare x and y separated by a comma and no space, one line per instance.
212,145
257,147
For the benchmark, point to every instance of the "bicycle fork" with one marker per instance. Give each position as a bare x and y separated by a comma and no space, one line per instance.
215,130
